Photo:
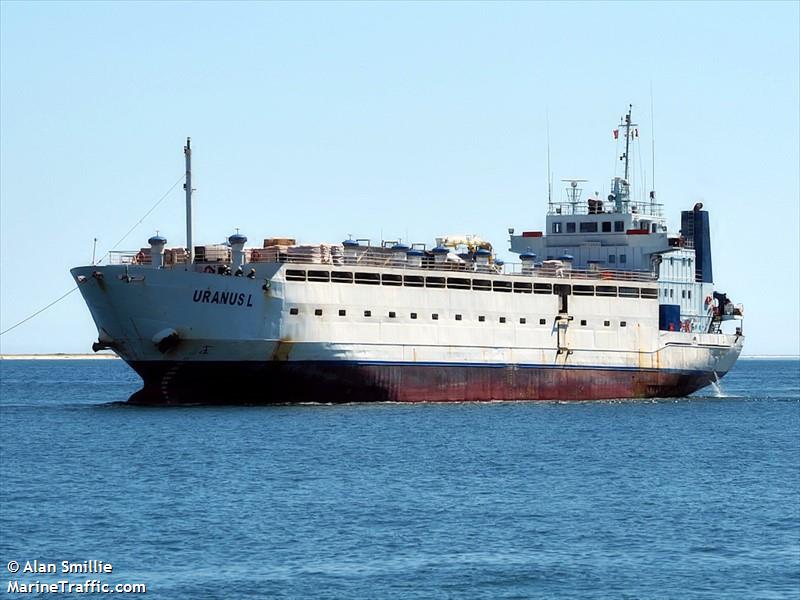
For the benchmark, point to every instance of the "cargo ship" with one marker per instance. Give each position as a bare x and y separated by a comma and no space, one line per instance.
604,303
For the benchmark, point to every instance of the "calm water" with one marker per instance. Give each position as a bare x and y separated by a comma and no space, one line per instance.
689,498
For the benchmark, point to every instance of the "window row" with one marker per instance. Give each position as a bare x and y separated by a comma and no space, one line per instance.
458,317
670,293
588,226
464,283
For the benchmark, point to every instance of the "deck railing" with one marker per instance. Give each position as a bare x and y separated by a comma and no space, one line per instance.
384,258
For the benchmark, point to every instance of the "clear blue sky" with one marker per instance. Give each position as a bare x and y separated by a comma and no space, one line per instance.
407,120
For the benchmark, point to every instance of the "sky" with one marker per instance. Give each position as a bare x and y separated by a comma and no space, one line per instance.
386,121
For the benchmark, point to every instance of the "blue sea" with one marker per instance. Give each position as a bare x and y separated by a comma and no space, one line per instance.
673,498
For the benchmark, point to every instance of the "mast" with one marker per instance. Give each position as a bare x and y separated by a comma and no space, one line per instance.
187,150
627,138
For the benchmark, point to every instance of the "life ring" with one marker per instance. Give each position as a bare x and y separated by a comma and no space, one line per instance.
208,269
255,256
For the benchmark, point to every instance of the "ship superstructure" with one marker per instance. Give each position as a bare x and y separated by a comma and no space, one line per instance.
605,303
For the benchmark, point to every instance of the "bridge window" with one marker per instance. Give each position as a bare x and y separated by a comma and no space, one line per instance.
628,292
435,316
542,288
583,290
607,323
342,312
293,311
501,286
623,258
367,313
612,259
619,226
623,323
502,319
606,226
482,284
481,318
589,227
571,227
522,321
318,312
458,317
392,314
557,227
583,322
542,321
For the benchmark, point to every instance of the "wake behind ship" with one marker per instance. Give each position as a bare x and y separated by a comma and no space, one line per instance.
605,303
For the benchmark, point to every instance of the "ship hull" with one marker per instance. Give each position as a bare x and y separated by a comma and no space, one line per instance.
249,382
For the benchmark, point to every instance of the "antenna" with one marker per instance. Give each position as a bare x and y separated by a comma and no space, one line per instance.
549,172
187,150
652,137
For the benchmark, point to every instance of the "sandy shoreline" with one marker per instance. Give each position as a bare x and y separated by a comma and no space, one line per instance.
101,356
108,356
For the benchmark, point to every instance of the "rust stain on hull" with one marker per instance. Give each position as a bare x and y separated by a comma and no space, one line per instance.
214,382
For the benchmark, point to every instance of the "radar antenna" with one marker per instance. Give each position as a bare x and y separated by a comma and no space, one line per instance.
574,192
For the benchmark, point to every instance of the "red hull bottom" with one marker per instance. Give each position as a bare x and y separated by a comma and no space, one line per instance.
331,382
